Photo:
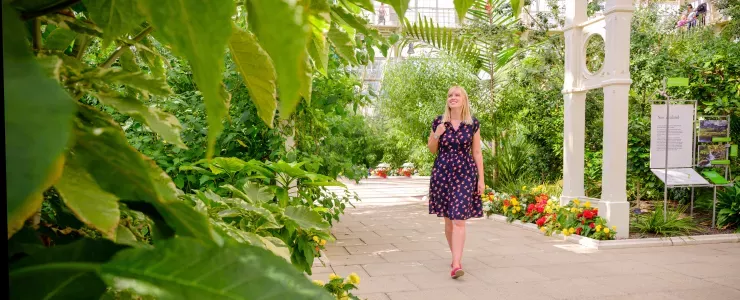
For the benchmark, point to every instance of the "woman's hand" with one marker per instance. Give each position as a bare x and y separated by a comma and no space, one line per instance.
440,130
481,186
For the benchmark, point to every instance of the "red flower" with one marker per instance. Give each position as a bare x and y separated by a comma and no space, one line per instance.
507,203
541,221
596,212
579,230
540,208
588,214
591,225
530,208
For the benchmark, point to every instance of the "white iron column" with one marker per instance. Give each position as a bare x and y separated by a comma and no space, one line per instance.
614,206
575,103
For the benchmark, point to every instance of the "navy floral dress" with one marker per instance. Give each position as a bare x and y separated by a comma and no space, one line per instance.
452,188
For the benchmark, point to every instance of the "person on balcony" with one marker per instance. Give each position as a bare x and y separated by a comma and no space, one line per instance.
692,16
381,14
457,175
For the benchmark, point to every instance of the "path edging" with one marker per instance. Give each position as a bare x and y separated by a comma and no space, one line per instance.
631,243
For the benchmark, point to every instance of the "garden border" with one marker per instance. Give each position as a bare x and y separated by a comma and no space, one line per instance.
631,243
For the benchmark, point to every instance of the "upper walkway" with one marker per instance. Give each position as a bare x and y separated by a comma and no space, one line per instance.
400,252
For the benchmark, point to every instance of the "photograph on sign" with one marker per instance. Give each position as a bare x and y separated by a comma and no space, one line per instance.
712,128
680,136
709,152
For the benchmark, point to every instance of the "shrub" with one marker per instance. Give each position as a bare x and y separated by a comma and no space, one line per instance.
672,224
728,207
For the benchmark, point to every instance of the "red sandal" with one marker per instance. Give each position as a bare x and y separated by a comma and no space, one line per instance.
456,273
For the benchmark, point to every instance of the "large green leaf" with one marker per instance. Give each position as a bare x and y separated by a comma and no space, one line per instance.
229,165
462,6
92,205
343,44
115,17
282,31
184,268
516,7
318,48
366,4
62,272
257,71
400,6
158,121
200,31
102,149
59,39
139,80
305,218
38,124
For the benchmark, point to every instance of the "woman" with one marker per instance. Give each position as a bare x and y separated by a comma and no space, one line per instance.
457,175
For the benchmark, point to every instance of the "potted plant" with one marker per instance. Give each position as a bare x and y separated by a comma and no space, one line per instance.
408,169
382,170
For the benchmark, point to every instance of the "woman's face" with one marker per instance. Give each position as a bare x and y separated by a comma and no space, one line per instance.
455,98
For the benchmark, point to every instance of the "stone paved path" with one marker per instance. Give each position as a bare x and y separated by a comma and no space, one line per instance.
399,251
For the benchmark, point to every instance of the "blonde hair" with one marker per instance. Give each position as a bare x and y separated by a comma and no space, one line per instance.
467,117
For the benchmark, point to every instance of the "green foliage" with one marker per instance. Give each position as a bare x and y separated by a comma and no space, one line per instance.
673,224
112,72
728,206
34,150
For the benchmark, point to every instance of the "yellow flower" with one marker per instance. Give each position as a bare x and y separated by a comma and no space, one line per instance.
566,232
506,209
571,230
576,202
598,228
587,204
606,230
323,242
573,209
354,279
315,238
614,228
524,188
543,229
318,282
333,276
344,298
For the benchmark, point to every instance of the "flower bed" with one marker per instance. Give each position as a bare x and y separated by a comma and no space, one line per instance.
531,206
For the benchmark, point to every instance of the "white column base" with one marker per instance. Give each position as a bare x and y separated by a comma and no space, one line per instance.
616,213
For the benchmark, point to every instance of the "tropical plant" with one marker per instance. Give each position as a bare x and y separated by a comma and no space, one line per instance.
674,223
728,206
60,133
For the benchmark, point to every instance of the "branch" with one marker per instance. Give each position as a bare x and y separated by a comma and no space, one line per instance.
54,8
37,34
113,57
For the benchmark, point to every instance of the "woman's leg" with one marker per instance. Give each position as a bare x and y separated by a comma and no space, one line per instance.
458,242
448,232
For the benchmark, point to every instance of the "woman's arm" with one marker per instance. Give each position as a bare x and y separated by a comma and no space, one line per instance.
478,157
434,136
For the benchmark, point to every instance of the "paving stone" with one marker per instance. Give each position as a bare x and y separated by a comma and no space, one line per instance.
442,280
503,261
395,268
371,249
371,296
343,260
443,264
401,256
431,294
344,271
385,240
513,291
507,275
411,246
385,284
